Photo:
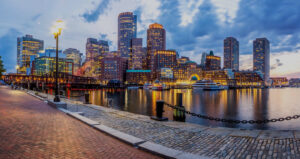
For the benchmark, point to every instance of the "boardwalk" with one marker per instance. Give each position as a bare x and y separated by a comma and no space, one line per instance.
29,128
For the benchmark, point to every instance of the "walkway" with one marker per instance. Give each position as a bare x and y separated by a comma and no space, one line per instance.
29,128
197,139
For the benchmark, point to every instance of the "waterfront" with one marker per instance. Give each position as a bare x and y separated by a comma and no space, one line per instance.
242,104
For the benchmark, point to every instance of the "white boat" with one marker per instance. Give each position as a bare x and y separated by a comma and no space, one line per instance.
147,86
159,86
208,85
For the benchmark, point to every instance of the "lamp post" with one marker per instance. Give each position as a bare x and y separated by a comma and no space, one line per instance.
56,30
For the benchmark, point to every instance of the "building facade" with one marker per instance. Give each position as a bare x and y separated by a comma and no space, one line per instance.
294,82
231,54
212,62
165,59
113,68
27,48
156,40
138,76
137,54
261,57
47,66
127,29
248,79
95,48
279,81
76,56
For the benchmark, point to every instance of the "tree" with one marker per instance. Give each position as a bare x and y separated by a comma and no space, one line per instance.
1,68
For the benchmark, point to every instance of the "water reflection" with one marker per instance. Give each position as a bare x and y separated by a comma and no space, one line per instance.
242,104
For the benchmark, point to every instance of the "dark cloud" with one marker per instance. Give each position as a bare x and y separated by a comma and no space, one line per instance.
36,17
92,16
196,35
276,65
8,49
274,20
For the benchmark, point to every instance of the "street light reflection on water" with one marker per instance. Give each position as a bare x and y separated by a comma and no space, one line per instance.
241,104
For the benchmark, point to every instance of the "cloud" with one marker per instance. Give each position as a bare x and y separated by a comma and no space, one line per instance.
93,15
277,64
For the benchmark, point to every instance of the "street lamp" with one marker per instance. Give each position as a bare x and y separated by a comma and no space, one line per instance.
56,31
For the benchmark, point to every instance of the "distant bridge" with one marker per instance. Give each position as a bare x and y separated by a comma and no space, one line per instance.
48,81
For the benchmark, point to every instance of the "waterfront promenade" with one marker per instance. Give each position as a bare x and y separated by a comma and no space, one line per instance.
29,128
196,139
184,137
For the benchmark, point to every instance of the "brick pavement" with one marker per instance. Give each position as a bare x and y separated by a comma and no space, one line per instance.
29,128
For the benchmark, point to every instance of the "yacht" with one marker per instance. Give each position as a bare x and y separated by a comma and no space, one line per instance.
208,85
159,86
147,86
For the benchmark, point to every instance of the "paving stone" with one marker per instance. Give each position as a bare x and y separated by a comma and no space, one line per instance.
296,134
218,131
245,133
275,134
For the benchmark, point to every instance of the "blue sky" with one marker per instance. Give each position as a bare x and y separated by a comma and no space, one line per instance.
193,26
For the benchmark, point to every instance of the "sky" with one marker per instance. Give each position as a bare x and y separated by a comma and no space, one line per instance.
192,26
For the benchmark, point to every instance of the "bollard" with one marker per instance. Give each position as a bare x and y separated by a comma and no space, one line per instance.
159,111
87,98
179,115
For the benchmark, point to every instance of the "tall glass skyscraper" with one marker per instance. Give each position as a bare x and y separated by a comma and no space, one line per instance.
231,53
156,40
137,55
127,30
27,48
261,57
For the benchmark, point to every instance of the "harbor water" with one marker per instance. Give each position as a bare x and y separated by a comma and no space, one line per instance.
240,104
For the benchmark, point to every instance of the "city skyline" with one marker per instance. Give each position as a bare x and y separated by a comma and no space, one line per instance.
283,54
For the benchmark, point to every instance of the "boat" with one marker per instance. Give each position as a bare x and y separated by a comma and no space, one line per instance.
147,86
159,86
208,85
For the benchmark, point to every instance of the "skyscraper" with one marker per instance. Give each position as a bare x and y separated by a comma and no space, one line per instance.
156,40
127,29
137,54
103,47
95,48
75,55
231,53
261,57
92,49
27,48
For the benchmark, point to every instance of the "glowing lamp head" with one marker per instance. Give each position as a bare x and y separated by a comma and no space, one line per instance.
17,67
57,27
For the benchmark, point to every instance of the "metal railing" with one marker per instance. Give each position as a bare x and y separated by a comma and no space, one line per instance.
233,121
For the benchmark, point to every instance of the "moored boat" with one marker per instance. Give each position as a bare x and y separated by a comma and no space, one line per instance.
208,85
